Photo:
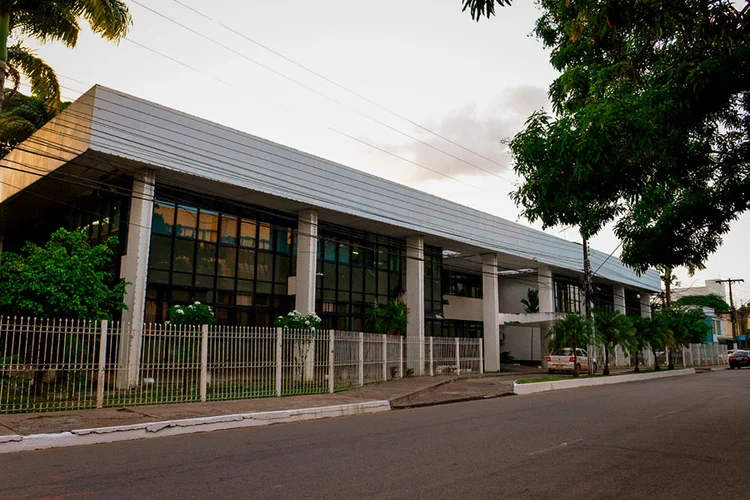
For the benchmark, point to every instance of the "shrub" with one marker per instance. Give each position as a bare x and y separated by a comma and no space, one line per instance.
296,320
194,314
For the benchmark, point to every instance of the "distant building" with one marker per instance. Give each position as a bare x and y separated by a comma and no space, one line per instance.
710,287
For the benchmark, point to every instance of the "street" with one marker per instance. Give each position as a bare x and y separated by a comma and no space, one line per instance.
687,437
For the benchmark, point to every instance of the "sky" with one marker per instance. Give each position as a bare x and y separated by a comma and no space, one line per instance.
426,70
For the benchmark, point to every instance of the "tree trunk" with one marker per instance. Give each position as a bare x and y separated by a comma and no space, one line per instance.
636,369
4,32
587,291
656,361
606,360
668,287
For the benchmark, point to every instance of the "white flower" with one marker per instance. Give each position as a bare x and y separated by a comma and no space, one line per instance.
290,314
190,306
180,311
307,322
167,322
197,303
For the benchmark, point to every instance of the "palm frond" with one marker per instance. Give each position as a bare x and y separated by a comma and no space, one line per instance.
47,21
108,18
44,83
482,8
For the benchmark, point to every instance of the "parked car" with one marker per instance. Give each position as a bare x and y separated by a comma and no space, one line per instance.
739,358
564,361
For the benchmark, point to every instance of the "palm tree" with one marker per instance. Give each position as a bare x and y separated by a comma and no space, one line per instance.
531,301
612,328
572,331
51,20
22,116
480,8
649,332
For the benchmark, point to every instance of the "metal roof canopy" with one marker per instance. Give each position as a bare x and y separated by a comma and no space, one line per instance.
129,128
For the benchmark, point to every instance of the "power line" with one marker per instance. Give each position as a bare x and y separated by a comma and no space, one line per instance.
340,86
315,91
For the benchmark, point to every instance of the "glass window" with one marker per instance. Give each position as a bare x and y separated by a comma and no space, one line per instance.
187,219
162,221
282,270
206,261
344,274
183,255
208,226
265,267
264,237
246,265
227,261
358,256
228,230
344,256
330,251
248,234
282,240
160,255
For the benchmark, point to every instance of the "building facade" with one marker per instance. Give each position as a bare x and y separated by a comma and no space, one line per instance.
255,229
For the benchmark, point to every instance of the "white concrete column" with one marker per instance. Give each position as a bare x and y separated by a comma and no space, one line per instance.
546,287
619,293
307,259
490,313
544,343
645,304
134,269
415,303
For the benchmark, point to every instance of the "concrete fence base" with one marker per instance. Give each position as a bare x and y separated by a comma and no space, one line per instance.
557,385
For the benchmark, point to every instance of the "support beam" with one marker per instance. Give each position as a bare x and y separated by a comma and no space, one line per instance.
645,304
415,303
307,258
544,343
134,269
546,287
619,296
490,313
307,261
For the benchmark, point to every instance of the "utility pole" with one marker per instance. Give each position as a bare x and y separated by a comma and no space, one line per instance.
587,294
732,311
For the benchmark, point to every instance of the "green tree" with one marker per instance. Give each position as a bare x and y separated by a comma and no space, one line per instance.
46,21
713,301
390,318
66,278
612,328
482,8
574,331
650,123
531,302
21,116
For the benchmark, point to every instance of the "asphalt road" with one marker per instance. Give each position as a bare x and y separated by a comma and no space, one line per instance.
684,438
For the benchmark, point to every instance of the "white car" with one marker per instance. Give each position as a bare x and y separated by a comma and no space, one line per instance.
564,361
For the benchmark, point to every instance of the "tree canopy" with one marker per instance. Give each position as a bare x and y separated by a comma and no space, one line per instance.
21,116
650,126
66,278
714,301
51,21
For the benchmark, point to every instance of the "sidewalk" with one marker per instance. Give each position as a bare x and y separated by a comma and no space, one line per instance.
395,391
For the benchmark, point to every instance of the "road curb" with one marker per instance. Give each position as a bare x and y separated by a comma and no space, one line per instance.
536,387
14,443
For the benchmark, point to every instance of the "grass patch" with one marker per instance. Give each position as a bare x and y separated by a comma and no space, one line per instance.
553,378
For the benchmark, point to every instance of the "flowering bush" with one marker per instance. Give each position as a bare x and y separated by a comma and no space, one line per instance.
296,320
194,314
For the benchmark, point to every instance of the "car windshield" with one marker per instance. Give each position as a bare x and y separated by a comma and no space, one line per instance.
564,352
739,354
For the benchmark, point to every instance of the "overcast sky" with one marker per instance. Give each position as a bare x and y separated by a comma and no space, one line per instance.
473,83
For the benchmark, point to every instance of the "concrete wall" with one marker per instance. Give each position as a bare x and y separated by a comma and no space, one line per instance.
512,290
59,141
462,308
522,343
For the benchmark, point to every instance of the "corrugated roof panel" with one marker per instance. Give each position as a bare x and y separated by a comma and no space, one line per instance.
139,130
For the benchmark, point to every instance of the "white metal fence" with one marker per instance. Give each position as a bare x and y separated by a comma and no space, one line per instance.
694,355
50,365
